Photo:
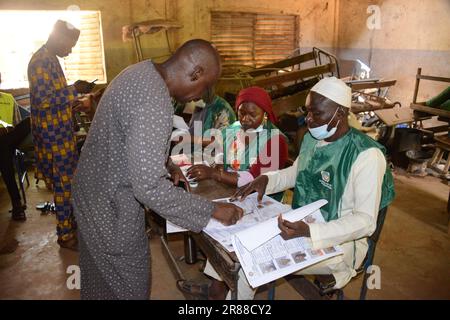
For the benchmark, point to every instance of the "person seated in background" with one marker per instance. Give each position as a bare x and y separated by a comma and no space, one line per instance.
250,146
13,130
212,112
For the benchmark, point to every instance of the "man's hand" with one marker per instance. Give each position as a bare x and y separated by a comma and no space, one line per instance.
291,230
83,104
83,86
227,213
259,185
177,175
202,172
4,131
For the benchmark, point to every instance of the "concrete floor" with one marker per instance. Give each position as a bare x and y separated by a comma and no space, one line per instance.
413,252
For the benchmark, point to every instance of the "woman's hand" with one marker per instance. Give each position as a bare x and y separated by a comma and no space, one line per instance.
83,104
202,172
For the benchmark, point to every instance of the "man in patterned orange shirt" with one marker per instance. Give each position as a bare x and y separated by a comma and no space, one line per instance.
51,124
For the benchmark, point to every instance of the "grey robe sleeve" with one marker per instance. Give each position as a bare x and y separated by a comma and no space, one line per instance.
146,134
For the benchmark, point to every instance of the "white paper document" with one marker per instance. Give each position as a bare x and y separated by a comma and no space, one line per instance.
181,128
269,229
182,161
173,228
254,214
179,123
277,257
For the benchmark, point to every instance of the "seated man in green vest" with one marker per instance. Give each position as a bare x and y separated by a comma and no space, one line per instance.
13,130
337,163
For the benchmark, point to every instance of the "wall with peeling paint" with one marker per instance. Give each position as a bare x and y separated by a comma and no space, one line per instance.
412,34
114,14
317,22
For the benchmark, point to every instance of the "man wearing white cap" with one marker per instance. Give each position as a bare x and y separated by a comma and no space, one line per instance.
337,163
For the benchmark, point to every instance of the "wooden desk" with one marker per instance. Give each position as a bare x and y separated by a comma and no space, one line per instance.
394,116
226,264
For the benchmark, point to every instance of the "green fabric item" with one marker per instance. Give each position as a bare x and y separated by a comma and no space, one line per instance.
323,172
442,100
446,105
7,104
229,135
213,112
178,108
277,196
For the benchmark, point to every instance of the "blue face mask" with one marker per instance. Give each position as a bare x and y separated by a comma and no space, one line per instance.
321,133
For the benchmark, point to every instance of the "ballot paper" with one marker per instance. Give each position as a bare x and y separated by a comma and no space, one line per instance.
255,213
268,229
179,123
183,162
181,128
276,257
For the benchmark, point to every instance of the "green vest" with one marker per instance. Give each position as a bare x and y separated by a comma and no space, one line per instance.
323,172
7,104
251,152
213,111
229,135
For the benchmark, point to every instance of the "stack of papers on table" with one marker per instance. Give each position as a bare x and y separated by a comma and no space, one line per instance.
265,256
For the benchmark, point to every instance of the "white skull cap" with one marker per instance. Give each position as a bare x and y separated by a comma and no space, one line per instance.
334,89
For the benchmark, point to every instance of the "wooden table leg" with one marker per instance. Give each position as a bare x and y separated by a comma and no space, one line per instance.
448,210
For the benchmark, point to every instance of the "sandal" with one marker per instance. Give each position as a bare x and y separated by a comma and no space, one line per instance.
71,243
200,291
46,207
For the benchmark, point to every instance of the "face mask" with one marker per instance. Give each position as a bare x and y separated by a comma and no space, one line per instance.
321,133
251,130
259,129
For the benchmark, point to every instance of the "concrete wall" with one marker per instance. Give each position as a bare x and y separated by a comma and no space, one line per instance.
413,33
317,22
317,17
114,14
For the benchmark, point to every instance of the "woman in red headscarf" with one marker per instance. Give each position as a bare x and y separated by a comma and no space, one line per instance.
251,146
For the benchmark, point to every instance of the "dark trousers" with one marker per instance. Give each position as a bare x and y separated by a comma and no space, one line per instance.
8,145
